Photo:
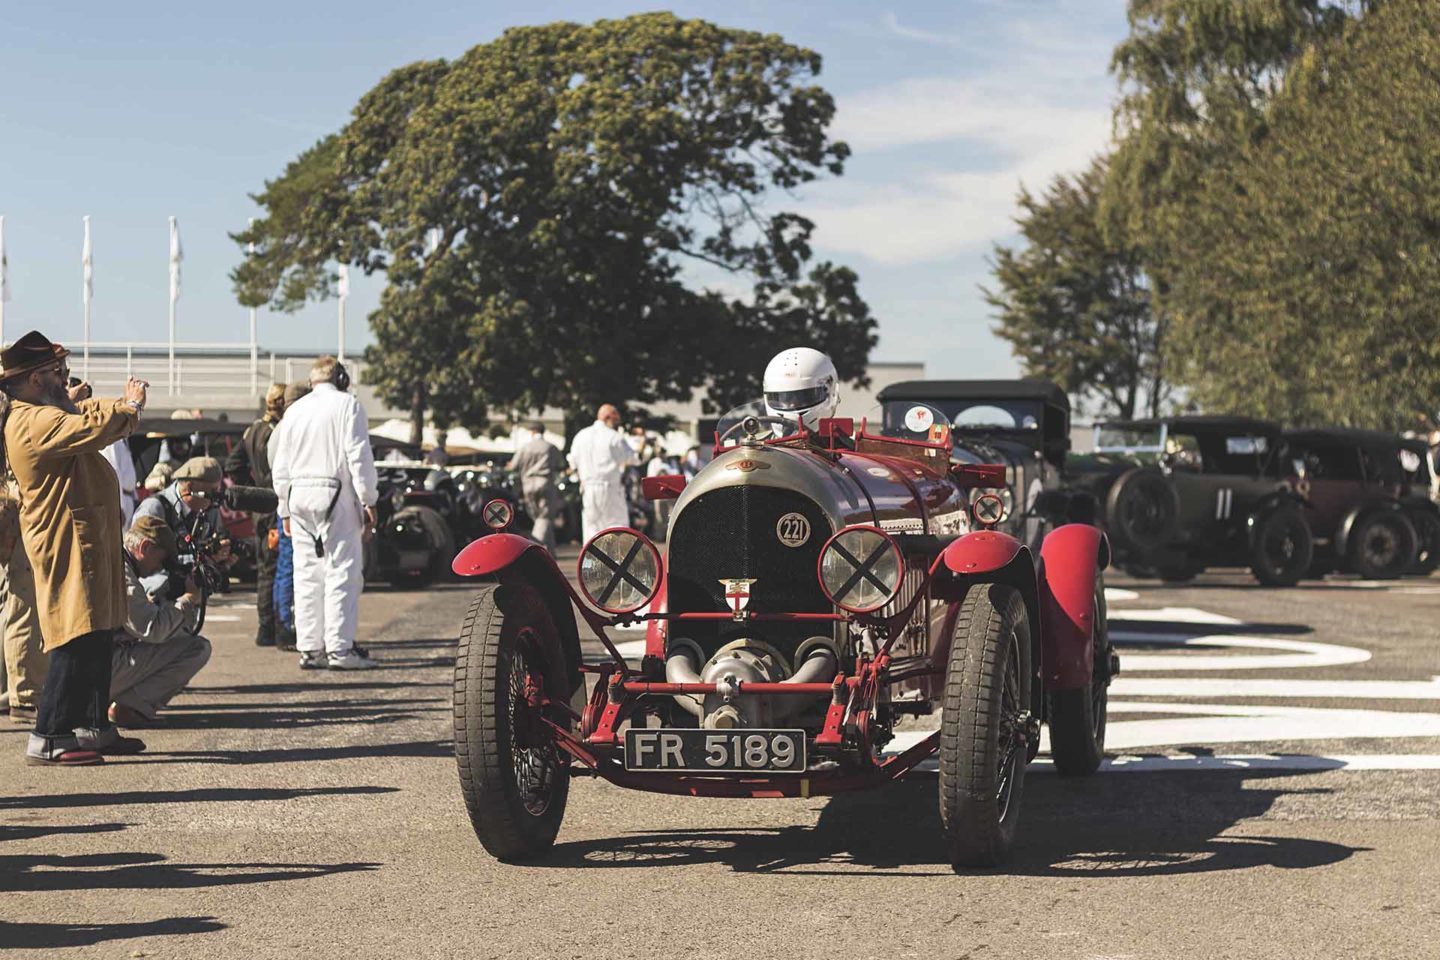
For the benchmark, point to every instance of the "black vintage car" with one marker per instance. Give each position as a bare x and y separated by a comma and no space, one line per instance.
414,536
1368,501
1184,493
1024,424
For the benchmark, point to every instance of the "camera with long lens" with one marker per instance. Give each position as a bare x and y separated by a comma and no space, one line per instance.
199,544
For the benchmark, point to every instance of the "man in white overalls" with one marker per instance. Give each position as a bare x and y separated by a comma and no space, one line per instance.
324,476
600,455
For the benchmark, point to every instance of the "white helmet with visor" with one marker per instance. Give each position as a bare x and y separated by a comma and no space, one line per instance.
801,385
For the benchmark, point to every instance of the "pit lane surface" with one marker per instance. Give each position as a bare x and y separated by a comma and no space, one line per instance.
282,813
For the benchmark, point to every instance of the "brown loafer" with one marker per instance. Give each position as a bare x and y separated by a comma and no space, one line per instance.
69,758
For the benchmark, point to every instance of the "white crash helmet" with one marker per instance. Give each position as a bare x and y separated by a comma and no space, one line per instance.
801,385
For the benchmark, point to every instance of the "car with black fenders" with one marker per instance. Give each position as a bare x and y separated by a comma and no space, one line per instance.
1024,424
1184,493
1367,501
820,585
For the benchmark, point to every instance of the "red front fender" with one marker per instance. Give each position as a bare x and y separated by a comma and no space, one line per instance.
491,553
983,551
1072,558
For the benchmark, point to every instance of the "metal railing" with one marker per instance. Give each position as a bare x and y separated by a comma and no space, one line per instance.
202,371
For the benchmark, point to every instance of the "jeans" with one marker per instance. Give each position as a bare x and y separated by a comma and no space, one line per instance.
77,689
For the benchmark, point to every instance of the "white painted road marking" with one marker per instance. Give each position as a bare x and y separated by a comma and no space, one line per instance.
1124,686
1119,594
1172,615
1184,763
1306,653
1253,723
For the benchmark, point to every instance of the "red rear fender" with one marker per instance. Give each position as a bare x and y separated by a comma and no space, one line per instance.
1072,558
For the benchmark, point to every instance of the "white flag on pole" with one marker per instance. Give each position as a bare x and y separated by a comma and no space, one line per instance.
176,255
87,264
342,286
4,266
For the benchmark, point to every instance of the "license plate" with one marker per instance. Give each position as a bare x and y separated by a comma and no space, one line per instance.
715,751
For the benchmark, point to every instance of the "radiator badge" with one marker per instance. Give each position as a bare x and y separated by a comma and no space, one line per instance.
747,465
737,595
793,530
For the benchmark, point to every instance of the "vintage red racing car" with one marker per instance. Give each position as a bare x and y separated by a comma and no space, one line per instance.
819,588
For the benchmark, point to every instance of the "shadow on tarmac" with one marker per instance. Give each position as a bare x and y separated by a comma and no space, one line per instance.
210,794
1106,826
56,873
54,936
415,748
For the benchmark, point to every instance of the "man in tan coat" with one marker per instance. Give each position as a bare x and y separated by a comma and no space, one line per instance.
70,522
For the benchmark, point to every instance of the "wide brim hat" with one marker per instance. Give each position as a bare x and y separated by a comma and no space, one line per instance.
28,354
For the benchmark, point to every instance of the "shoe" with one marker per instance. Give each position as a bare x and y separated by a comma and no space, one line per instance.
123,716
108,742
264,641
312,661
23,715
284,639
59,752
350,660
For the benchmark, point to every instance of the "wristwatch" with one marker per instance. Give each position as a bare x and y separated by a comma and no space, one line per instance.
135,405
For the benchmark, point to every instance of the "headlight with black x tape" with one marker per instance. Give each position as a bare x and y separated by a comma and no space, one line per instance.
619,571
861,569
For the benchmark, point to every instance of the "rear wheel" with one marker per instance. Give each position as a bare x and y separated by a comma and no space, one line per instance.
1142,511
1382,545
1282,548
985,726
1077,717
514,777
1427,533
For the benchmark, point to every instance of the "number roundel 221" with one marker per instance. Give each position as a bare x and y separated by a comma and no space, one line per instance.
793,530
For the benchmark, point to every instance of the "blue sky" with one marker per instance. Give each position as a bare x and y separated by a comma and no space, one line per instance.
134,112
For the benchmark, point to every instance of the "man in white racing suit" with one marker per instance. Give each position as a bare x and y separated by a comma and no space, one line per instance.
600,455
324,476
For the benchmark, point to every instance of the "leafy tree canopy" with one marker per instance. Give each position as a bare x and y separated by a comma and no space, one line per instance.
1305,288
1075,305
534,206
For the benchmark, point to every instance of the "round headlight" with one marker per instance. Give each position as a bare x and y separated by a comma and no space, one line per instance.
497,514
861,569
988,510
619,571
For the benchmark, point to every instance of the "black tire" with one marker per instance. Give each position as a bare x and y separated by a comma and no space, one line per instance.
514,778
1427,540
1381,545
1182,571
442,543
1077,717
1142,511
983,726
1282,548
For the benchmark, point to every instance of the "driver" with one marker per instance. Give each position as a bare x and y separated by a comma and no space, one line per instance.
801,386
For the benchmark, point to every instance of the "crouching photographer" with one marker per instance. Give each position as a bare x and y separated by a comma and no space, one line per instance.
160,648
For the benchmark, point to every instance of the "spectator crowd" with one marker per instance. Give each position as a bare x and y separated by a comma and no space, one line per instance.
104,582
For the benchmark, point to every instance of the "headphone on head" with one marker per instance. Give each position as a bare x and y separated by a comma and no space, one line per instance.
342,377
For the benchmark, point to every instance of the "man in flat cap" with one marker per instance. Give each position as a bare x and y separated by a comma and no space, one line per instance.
190,506
160,649
70,522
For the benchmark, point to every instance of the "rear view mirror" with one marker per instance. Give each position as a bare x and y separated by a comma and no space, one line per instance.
667,486
971,475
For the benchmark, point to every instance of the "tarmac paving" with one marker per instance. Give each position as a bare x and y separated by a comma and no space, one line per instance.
280,813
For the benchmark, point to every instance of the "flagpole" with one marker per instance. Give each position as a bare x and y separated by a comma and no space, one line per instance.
344,291
254,330
174,276
87,263
4,280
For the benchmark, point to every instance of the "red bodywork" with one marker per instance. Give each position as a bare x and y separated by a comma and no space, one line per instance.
1059,595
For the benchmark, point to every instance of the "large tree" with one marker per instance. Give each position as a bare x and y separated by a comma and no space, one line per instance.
1196,80
539,205
1310,274
1074,302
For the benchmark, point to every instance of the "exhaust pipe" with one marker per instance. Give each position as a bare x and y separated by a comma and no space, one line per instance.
682,665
